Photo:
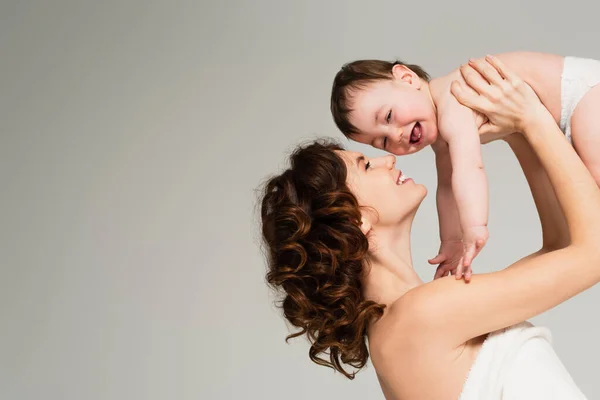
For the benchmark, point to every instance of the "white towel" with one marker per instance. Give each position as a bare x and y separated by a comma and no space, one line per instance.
519,363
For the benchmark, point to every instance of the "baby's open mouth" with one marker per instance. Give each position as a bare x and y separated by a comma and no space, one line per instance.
415,134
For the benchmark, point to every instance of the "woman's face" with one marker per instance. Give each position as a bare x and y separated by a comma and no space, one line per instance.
379,186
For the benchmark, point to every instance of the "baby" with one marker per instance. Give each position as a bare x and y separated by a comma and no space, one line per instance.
396,107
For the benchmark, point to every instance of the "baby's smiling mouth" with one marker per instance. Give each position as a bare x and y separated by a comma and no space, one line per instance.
416,133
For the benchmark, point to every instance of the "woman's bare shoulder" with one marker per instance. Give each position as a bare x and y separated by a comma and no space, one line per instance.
406,318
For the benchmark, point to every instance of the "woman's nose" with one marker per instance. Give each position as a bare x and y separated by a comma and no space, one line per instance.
390,161
387,161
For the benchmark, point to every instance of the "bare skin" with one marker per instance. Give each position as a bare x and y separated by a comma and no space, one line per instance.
386,115
469,191
422,348
453,364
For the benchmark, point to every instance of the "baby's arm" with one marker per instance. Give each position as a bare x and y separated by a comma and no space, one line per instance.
451,248
449,221
469,183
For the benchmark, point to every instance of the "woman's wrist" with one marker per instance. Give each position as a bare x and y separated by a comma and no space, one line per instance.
535,118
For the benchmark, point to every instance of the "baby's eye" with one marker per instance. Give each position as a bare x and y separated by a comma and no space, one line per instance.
388,117
367,165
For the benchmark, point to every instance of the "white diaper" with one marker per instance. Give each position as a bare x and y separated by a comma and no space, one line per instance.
578,77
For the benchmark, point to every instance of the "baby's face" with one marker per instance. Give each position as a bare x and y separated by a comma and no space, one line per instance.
394,116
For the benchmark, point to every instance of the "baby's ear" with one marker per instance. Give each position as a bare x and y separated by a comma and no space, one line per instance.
402,73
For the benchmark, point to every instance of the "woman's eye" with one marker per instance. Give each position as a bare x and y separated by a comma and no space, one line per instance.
367,165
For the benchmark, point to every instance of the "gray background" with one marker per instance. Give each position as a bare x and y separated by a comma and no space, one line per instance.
133,136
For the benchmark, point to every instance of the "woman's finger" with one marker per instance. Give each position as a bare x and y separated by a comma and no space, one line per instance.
488,71
478,74
503,70
474,78
469,98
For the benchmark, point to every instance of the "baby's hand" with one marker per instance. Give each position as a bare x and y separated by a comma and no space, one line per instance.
474,239
448,258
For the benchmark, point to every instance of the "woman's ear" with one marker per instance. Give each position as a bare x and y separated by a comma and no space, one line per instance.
365,225
402,73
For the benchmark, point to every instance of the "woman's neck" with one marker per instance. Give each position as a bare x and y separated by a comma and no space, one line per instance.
390,273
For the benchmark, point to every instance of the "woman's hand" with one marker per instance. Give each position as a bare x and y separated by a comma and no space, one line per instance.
495,91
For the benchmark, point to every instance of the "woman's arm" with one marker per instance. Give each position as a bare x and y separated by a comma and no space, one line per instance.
534,285
555,233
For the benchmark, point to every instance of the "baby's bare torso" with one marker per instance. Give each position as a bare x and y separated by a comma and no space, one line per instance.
540,70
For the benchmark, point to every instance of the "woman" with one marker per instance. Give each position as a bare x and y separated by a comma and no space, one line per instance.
337,229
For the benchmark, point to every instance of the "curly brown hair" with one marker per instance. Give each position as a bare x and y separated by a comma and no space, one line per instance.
356,75
317,253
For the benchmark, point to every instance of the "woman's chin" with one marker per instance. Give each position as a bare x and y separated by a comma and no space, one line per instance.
422,190
422,195
419,194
